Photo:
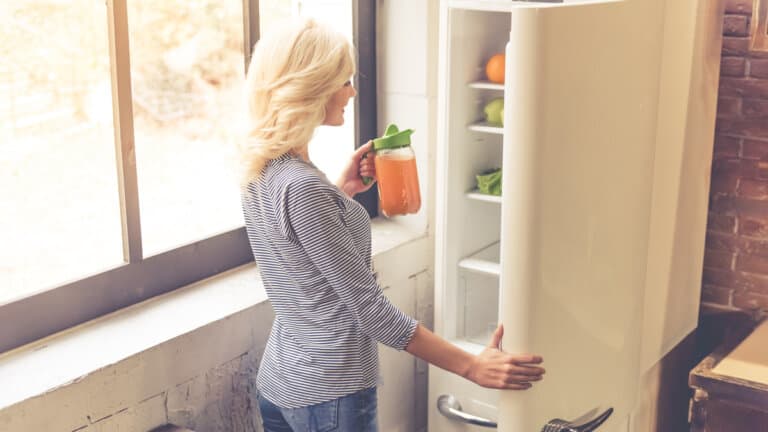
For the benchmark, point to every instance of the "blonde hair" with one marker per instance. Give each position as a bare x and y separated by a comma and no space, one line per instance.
292,75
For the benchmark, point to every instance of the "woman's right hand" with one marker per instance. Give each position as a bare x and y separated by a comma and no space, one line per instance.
358,167
494,368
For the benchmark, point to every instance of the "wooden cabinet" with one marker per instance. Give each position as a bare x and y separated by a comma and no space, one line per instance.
730,386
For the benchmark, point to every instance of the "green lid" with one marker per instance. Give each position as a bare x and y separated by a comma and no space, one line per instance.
393,138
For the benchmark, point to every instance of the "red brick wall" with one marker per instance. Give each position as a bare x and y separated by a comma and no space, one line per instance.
736,257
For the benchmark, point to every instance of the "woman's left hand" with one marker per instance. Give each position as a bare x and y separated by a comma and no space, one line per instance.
359,166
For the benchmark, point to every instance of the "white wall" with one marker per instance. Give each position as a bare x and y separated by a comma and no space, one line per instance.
406,60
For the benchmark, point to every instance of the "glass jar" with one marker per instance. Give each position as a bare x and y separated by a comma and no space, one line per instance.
396,172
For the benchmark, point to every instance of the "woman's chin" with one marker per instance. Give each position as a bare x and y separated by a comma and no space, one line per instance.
334,122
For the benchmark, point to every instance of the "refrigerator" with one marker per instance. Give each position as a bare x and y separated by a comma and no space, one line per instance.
592,254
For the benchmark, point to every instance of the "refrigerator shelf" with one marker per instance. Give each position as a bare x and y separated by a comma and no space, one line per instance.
473,345
478,196
485,261
486,128
486,85
509,5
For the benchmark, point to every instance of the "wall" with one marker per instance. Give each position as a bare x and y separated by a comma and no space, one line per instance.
736,259
406,61
201,378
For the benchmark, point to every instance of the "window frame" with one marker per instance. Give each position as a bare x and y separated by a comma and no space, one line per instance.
52,310
366,124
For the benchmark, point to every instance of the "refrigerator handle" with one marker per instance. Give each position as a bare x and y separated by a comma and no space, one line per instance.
581,424
450,407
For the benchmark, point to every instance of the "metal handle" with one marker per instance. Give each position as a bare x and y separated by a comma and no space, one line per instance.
585,423
450,407
588,422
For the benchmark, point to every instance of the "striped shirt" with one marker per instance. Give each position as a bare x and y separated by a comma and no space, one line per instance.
313,248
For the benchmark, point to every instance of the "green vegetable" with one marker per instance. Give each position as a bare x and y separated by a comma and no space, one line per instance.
494,112
489,182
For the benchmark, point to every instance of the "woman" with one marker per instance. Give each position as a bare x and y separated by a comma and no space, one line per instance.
312,243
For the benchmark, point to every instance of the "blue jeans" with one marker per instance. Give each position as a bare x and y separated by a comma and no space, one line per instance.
351,413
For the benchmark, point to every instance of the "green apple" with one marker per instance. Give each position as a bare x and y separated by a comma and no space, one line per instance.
494,111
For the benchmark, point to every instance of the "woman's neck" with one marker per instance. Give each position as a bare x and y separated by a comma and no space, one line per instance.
302,153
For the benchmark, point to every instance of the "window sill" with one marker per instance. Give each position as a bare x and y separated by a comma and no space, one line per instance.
66,357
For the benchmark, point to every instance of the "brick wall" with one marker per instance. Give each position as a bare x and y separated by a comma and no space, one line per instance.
736,257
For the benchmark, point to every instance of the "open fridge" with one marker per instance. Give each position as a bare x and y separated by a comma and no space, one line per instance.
592,254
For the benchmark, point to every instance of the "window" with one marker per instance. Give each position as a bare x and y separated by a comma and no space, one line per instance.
117,147
759,30
328,150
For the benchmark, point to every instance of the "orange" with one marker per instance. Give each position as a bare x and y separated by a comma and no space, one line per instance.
494,69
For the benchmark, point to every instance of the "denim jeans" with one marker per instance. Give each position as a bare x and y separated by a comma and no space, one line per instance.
351,413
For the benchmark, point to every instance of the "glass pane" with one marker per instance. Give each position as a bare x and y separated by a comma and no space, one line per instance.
332,145
59,209
187,70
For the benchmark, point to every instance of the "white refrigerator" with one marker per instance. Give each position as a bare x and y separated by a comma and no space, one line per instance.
592,254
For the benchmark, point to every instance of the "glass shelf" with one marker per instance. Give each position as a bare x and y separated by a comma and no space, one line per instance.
485,261
478,307
486,85
486,128
478,196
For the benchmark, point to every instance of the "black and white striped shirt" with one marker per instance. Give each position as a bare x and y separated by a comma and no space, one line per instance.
313,248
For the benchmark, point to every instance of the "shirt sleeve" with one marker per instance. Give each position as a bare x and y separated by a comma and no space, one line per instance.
315,216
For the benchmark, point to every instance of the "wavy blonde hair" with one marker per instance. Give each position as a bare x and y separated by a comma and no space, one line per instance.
293,73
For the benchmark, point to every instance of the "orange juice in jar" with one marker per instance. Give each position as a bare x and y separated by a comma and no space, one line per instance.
398,178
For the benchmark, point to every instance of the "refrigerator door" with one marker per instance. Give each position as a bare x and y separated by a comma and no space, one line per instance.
561,258
582,106
580,135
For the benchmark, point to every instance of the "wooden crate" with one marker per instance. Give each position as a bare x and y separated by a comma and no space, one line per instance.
731,385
